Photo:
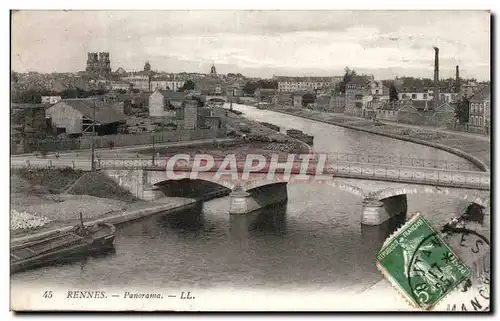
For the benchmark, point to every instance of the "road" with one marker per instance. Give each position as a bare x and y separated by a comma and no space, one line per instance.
117,152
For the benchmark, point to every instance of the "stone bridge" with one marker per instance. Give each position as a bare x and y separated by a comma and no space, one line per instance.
382,187
216,98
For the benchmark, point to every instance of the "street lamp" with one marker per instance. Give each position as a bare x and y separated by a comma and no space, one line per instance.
153,143
92,140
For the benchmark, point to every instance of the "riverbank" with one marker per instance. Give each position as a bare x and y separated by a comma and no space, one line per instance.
475,150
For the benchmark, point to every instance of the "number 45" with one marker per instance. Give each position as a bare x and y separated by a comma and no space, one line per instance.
47,294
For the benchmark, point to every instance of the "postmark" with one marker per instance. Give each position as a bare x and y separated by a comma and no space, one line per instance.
470,240
420,265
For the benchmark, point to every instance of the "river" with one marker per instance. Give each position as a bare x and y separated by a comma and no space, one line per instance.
314,241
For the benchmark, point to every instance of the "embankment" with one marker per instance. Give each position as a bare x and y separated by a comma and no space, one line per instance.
387,133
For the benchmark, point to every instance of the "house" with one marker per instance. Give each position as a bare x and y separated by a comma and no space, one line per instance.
283,99
480,110
265,95
337,104
408,114
356,93
298,97
444,115
161,101
322,102
76,116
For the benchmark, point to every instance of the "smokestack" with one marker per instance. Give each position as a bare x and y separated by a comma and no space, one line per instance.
457,81
436,74
436,65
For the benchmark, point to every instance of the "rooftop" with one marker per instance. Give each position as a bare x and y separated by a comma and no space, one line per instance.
481,95
104,113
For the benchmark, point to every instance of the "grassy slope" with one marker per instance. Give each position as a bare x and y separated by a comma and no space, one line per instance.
67,180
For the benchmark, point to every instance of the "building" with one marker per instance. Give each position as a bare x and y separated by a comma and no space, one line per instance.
444,115
98,64
265,95
138,81
167,82
426,94
480,110
161,102
191,112
298,98
30,119
283,99
121,85
359,91
337,104
76,116
292,84
213,72
50,99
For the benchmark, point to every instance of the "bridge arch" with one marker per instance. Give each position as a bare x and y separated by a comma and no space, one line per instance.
216,99
224,183
332,183
478,197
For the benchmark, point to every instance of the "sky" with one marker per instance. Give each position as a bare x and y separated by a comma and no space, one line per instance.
257,43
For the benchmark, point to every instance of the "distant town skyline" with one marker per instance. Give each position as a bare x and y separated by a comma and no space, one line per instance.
257,43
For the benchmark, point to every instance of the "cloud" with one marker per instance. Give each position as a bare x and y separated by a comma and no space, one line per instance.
323,41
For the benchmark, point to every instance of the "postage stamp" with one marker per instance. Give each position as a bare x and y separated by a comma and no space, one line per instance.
418,262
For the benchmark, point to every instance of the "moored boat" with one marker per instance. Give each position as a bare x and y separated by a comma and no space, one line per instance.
80,241
299,135
273,127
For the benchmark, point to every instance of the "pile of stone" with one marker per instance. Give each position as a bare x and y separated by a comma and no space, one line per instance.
287,147
26,221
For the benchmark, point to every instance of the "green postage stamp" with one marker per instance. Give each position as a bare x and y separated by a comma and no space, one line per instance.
420,264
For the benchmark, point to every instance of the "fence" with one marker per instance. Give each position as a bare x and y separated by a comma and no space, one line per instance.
120,140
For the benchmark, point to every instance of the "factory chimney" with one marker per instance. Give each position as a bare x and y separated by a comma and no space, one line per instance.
436,65
436,74
457,81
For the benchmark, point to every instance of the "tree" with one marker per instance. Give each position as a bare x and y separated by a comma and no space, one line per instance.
189,85
462,110
250,88
348,76
393,93
308,99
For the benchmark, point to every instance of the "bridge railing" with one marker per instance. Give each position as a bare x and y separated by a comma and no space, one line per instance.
432,176
402,161
335,157
51,163
444,177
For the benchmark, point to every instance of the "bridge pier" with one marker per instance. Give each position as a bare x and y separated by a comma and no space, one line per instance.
242,202
374,212
239,202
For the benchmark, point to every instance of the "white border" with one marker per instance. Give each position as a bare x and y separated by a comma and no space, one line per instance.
193,4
